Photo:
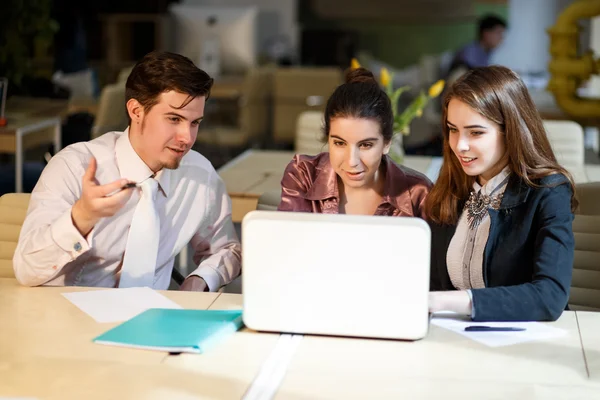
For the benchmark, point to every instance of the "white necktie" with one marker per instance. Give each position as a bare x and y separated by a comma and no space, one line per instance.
139,262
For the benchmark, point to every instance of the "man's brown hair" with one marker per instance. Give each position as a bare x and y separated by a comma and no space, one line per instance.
159,72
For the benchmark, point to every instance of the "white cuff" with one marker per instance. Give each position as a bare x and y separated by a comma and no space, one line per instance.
472,305
210,276
67,236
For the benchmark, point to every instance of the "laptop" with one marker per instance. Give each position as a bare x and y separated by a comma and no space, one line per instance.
332,274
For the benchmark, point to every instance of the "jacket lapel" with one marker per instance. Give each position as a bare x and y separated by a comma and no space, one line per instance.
515,194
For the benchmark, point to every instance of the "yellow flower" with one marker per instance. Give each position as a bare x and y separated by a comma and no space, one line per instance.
354,64
385,77
436,88
419,113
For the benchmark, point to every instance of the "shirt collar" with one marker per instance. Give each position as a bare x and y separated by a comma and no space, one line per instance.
133,168
515,191
493,184
164,180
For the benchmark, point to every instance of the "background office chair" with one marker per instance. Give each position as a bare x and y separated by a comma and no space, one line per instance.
13,208
111,114
585,288
309,133
269,201
566,139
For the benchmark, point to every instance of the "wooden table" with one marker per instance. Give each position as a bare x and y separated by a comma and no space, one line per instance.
255,172
45,324
236,364
56,379
46,353
589,329
443,365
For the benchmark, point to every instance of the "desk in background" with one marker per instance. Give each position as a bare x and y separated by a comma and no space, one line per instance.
31,122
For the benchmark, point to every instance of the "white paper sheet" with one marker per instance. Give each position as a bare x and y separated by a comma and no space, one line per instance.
534,331
116,305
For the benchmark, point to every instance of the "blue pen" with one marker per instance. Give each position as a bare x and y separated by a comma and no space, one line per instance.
481,328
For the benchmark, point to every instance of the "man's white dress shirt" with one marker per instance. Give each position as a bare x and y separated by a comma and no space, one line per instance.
193,207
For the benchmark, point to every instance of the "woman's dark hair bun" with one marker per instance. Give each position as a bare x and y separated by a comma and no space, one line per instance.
360,75
361,97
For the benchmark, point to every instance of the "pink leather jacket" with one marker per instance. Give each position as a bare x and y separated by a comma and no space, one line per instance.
309,184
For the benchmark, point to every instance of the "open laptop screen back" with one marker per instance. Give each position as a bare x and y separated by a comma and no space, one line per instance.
344,275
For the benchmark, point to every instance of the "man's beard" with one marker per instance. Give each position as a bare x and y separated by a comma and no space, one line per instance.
174,164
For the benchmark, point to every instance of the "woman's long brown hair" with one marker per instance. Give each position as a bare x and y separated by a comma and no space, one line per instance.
498,94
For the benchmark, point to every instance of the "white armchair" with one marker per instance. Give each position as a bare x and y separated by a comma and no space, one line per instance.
309,132
566,139
112,113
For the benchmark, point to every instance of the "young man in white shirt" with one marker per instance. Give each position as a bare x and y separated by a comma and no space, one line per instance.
87,227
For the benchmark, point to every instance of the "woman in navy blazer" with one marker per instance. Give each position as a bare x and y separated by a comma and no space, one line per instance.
501,210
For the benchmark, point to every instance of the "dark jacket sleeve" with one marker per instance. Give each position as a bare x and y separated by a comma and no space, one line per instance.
434,280
294,186
439,280
546,296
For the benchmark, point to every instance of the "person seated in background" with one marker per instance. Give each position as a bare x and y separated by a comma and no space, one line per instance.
356,176
477,54
501,210
87,226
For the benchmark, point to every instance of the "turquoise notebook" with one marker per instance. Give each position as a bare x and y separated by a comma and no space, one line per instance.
174,330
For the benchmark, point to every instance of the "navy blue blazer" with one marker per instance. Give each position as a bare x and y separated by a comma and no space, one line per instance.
528,258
